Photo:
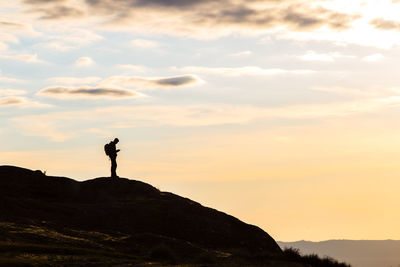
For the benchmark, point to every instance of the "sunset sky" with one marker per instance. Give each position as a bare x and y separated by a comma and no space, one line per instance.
283,113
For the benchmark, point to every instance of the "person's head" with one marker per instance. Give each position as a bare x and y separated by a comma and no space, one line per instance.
116,140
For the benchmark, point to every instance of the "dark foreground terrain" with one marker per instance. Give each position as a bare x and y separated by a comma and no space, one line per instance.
102,222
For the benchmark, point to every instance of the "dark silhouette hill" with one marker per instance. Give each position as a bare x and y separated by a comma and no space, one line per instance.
119,221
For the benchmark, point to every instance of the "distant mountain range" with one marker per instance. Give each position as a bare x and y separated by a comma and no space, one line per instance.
358,253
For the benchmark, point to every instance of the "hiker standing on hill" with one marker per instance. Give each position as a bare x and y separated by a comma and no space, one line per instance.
111,151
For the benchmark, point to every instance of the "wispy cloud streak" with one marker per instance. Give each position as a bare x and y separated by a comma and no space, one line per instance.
242,71
142,83
19,101
85,92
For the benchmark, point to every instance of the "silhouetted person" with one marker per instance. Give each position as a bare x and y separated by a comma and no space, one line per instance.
111,151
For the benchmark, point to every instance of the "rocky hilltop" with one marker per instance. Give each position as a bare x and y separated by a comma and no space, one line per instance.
60,221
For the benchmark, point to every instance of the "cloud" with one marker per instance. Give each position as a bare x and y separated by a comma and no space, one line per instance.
60,12
329,57
28,58
241,53
63,38
85,92
84,61
151,83
314,20
195,18
4,79
313,56
20,102
7,37
3,46
55,10
74,80
373,58
361,93
360,35
9,30
11,25
142,43
112,87
241,71
75,36
55,45
8,101
11,92
175,81
387,25
35,2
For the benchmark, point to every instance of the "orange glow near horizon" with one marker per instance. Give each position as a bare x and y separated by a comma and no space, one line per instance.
312,183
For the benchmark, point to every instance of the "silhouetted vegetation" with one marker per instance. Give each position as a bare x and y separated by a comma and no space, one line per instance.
314,260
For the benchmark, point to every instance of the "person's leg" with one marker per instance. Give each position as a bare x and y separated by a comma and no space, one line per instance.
113,167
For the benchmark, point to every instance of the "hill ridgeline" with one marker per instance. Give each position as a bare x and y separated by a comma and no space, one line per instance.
47,220
143,215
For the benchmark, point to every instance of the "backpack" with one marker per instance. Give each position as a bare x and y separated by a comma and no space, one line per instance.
107,148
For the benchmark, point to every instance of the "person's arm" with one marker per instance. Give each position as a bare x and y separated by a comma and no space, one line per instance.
118,150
